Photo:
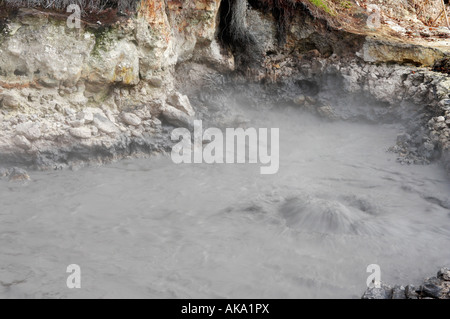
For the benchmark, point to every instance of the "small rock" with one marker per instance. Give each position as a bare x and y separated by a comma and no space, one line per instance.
81,132
176,117
143,113
9,100
131,119
22,142
105,125
155,82
311,100
327,112
69,111
431,289
398,292
384,292
110,115
18,175
136,133
87,116
444,274
411,292
181,102
76,123
30,130
156,122
299,100
440,119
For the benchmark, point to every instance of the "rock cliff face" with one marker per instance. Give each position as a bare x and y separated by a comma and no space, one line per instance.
109,90
71,87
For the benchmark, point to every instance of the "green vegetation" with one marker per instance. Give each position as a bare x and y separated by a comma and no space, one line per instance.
345,4
102,40
322,4
90,6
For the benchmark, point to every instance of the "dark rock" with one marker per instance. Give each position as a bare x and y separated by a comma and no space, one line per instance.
384,292
442,65
443,273
431,289
411,292
398,292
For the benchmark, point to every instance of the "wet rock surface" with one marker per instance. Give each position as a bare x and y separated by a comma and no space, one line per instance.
442,65
432,288
14,174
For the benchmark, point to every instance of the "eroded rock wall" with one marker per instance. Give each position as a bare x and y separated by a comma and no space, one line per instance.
72,87
106,91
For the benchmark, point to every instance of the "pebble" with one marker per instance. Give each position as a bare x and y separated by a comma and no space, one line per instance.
77,123
131,119
299,100
81,132
105,125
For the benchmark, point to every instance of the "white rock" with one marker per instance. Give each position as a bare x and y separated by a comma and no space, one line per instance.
440,119
155,82
131,119
143,114
156,122
30,130
85,115
77,123
10,100
300,100
136,133
181,102
81,132
22,142
111,116
176,117
105,125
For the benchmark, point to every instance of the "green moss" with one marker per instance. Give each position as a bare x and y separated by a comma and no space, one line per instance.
102,40
322,5
345,4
